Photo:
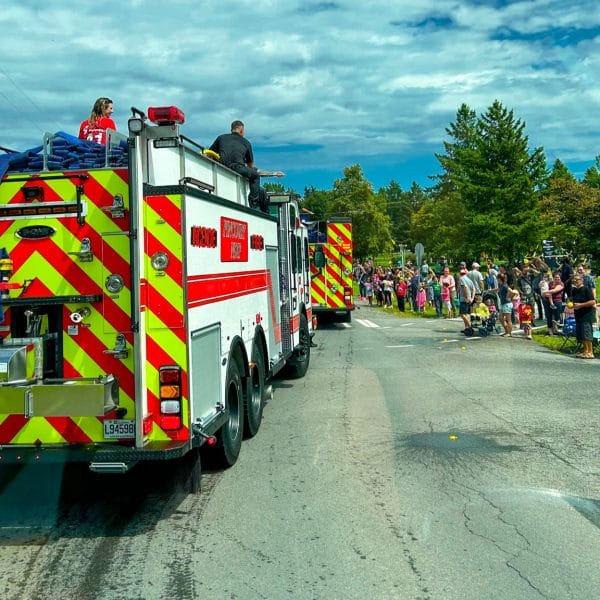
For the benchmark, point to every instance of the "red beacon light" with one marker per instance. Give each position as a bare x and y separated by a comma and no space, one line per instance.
166,115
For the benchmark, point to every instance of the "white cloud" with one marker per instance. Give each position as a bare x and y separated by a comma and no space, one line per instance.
349,79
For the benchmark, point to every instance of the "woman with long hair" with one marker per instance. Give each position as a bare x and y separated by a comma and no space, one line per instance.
94,128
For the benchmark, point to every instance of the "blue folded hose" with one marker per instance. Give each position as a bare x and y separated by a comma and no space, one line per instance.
68,152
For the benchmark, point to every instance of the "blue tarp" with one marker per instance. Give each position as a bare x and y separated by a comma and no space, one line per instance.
68,152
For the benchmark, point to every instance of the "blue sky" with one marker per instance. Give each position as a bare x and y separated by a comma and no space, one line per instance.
320,85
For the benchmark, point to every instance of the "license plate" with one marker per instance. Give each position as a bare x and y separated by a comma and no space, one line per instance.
119,429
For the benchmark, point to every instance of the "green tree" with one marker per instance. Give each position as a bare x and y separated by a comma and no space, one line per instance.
560,171
591,177
571,215
489,164
317,202
459,150
353,196
440,225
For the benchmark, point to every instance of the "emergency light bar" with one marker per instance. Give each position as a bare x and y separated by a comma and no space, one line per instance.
166,115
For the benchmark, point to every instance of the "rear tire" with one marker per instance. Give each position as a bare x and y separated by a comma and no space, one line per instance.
229,437
300,359
255,393
347,317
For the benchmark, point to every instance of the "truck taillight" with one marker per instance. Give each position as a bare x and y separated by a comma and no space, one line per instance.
166,115
169,378
348,295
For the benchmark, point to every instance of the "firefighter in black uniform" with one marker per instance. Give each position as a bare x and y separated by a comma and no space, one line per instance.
236,153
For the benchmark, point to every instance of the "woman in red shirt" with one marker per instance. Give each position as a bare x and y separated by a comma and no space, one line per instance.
94,128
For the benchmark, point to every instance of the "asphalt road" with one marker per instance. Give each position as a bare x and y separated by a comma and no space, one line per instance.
409,463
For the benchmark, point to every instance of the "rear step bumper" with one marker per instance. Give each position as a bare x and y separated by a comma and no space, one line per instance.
105,458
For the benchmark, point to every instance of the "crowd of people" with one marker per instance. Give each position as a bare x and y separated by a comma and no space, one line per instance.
519,295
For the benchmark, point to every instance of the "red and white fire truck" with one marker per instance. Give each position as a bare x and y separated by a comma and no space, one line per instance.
145,304
330,246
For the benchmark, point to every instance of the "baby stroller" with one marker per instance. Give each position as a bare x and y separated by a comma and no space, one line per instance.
484,325
490,325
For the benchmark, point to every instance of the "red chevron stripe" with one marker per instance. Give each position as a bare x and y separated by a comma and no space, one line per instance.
10,427
153,244
113,261
158,357
103,198
69,430
71,271
335,231
52,253
93,347
164,206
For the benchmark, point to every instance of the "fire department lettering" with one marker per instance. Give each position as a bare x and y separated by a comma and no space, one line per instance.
204,237
234,240
257,242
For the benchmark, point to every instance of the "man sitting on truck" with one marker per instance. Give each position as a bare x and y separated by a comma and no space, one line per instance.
235,152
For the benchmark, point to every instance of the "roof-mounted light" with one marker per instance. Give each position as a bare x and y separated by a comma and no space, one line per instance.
166,115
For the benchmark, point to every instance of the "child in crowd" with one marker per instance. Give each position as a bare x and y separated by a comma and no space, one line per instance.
545,289
525,316
480,308
516,302
446,299
436,291
421,298
369,290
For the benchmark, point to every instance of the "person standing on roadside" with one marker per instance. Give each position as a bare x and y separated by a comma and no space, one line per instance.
588,280
476,277
436,291
554,306
449,285
505,296
466,295
401,293
584,305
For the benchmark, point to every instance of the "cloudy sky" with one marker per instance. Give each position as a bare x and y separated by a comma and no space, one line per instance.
320,85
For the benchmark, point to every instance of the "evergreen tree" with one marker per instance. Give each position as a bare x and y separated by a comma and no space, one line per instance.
592,175
489,164
560,171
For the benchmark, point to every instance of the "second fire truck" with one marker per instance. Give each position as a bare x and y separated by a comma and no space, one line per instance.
330,245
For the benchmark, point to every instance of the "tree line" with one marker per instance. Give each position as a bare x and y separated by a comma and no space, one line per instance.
495,196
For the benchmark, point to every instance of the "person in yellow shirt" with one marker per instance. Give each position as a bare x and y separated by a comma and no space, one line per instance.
480,308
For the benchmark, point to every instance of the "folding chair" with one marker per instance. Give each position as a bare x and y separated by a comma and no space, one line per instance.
569,343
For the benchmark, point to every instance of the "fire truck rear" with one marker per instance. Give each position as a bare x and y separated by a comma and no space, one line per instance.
144,304
330,245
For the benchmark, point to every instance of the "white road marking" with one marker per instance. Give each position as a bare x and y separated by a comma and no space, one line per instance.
401,346
366,323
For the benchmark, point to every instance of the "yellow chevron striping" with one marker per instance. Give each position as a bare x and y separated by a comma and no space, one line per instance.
37,428
162,231
167,339
39,267
85,364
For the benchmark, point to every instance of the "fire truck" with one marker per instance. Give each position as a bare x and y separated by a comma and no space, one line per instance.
145,304
330,246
